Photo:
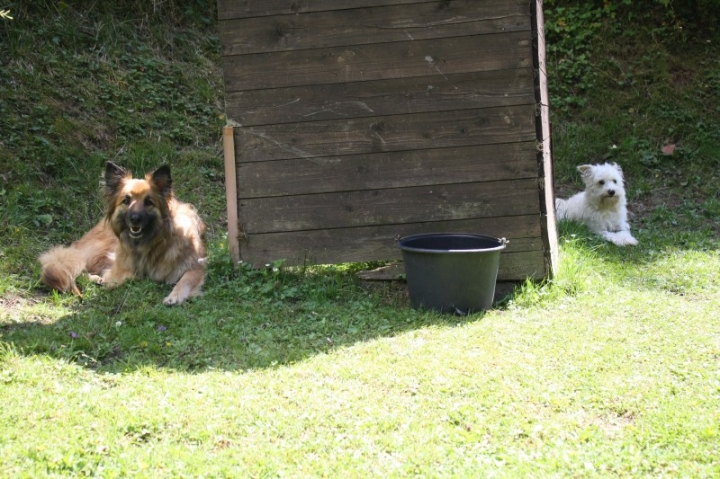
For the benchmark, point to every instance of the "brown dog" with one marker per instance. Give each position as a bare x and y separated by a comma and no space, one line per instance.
146,232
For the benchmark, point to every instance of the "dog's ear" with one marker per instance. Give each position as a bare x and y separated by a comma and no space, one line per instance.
585,170
617,167
114,177
162,180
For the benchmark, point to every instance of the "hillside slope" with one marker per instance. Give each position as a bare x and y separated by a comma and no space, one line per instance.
80,86
140,84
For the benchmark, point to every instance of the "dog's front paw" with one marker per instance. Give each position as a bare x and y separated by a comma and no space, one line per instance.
625,239
631,241
96,279
620,238
625,242
173,299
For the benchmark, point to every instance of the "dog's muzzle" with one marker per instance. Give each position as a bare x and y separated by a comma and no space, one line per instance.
136,223
610,197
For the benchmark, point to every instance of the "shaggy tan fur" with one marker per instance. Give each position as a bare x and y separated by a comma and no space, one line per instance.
146,232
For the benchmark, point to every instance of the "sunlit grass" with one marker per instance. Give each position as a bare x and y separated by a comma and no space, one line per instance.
608,369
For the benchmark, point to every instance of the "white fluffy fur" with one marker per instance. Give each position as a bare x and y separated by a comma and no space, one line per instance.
602,206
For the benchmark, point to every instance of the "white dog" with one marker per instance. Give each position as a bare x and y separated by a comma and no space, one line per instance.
602,206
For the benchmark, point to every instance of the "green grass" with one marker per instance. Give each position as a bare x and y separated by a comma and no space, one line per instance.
83,86
608,370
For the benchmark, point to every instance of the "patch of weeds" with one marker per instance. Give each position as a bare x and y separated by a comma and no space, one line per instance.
570,31
651,109
277,284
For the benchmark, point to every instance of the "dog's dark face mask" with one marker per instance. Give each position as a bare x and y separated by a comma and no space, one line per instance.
140,218
136,206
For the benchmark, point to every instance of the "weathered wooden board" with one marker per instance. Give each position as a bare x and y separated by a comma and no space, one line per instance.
372,25
361,121
482,163
387,133
396,206
342,101
513,266
545,170
379,61
258,8
522,231
523,257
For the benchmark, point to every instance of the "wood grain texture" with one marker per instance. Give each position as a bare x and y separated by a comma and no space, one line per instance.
229,9
342,101
389,206
438,57
361,121
389,133
522,258
387,170
360,26
546,186
231,191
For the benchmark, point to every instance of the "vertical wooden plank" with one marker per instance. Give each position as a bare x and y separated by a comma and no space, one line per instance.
231,191
547,200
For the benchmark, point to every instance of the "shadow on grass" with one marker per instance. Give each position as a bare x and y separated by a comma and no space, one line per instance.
245,319
249,319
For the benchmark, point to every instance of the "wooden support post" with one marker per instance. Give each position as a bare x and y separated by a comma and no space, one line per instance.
231,192
550,233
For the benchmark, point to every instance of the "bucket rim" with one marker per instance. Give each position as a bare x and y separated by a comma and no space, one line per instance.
502,243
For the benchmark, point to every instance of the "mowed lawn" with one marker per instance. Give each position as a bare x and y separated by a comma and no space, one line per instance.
609,369
614,370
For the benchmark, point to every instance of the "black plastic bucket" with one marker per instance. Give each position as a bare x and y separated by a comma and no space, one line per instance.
451,272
